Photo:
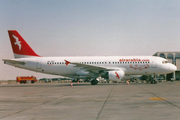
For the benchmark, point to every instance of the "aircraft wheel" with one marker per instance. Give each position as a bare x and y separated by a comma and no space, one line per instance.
32,81
94,82
153,82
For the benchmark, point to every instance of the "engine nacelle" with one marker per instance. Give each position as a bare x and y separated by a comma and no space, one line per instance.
116,75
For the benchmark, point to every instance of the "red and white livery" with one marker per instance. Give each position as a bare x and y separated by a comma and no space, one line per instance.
93,67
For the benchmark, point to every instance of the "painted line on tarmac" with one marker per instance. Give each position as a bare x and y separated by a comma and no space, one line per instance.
28,108
157,99
160,97
104,102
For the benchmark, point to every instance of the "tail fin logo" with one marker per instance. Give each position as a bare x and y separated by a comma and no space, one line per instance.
17,41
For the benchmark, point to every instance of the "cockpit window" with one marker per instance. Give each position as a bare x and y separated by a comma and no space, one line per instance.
165,61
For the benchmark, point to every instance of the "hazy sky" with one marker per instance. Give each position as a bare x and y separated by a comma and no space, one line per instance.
88,28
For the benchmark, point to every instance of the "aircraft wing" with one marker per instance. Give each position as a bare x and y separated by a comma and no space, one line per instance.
14,62
90,68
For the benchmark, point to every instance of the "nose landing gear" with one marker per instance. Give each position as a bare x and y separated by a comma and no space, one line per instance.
151,79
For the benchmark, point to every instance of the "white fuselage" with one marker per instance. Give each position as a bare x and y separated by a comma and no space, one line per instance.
131,65
93,67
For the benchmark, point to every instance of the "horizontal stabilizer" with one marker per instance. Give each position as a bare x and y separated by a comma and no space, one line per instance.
6,61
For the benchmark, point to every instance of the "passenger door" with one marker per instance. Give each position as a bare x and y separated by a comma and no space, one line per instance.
153,63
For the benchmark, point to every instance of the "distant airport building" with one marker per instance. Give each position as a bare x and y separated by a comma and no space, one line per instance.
172,57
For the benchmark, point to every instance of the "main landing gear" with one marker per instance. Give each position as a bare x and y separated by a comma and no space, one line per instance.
94,81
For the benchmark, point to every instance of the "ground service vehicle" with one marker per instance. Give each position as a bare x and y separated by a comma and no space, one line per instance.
25,79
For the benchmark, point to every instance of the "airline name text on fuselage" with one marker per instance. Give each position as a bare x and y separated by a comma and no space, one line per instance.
134,60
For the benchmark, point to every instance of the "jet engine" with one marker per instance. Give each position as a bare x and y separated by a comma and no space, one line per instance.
116,75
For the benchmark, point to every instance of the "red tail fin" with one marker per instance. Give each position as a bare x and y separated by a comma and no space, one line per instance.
20,47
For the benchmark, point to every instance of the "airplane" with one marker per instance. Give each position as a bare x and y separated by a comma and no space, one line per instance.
93,67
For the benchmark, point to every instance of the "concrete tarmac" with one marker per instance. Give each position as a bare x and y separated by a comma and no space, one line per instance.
114,101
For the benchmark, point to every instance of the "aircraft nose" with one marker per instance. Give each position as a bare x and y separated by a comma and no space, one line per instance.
173,68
